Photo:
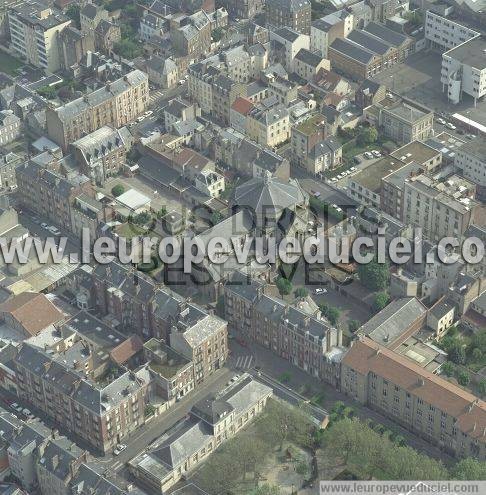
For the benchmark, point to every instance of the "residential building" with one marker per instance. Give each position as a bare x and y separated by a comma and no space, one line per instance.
48,193
35,30
90,16
162,71
106,35
295,14
325,155
290,41
268,126
470,160
210,183
440,317
115,104
224,92
431,407
74,45
369,93
326,29
101,411
204,342
88,213
10,127
443,34
368,51
305,135
307,64
441,208
401,119
102,153
8,165
464,70
246,9
191,35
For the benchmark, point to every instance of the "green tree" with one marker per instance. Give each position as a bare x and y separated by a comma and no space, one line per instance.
117,190
353,325
162,212
331,313
482,387
448,368
128,49
469,469
149,410
301,292
73,13
49,92
381,300
477,354
217,34
216,217
367,136
266,489
374,275
463,378
284,286
457,353
142,218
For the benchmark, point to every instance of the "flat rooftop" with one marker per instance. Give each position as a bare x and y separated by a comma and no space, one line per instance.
415,151
472,53
370,178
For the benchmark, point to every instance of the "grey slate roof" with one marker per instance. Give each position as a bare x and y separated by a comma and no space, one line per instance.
352,50
88,482
392,37
308,58
392,321
289,5
211,410
369,41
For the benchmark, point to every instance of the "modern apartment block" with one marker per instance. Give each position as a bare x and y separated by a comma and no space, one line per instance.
441,208
470,160
115,104
295,14
431,407
35,33
101,411
443,34
464,70
303,338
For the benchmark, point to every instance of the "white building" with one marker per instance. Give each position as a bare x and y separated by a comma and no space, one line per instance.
444,34
292,41
325,30
34,31
464,70
470,159
210,183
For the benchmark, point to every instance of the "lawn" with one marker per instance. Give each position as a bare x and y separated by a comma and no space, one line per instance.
129,230
9,64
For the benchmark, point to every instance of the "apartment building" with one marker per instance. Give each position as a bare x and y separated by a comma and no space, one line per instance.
90,16
290,41
35,30
48,193
401,119
115,104
464,70
326,29
10,127
307,64
224,93
102,154
443,34
74,45
305,135
441,208
191,35
416,157
268,126
245,9
101,411
368,51
470,160
303,338
295,14
210,422
435,409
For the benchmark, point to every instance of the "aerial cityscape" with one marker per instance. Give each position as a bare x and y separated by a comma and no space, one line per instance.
242,247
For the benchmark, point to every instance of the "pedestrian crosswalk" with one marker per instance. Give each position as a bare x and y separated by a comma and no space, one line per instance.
244,362
154,96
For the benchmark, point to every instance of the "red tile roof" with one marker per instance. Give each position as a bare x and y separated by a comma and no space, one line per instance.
242,105
127,349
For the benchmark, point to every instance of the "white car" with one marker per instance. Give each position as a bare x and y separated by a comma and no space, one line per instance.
450,126
148,113
368,155
352,169
440,121
334,179
376,153
26,412
45,226
320,291
17,407
54,230
119,449
181,82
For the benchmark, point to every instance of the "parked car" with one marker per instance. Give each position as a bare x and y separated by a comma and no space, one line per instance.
352,169
357,160
26,412
54,230
17,407
469,136
376,153
148,113
181,82
334,179
440,121
450,126
119,449
320,290
368,155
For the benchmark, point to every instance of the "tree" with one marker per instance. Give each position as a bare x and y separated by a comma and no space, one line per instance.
457,353
331,313
117,190
463,378
301,292
477,354
266,489
162,212
368,135
381,300
448,368
142,218
469,469
73,13
127,48
482,387
49,92
216,217
284,286
217,34
149,410
353,325
374,275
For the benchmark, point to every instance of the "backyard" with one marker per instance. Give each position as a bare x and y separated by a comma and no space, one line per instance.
9,64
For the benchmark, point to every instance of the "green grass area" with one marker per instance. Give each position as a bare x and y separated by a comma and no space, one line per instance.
129,230
9,64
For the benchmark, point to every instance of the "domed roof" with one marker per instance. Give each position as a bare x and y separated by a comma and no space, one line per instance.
267,193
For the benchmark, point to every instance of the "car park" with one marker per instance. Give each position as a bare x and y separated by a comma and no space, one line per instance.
119,449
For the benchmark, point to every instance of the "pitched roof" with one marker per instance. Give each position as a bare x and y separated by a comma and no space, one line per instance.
33,311
127,349
242,105
470,412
